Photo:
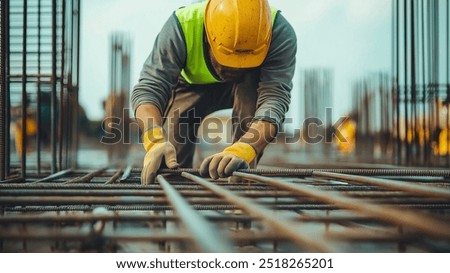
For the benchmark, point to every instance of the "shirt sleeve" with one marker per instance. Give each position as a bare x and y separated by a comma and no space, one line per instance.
277,71
162,68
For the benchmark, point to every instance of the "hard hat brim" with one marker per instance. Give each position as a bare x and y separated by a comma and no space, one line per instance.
239,59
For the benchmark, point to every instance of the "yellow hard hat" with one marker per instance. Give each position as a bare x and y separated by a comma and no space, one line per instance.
239,31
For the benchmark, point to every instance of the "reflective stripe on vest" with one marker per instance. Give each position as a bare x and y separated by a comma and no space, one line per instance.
191,19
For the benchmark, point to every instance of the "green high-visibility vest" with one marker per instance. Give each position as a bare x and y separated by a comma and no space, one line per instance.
191,19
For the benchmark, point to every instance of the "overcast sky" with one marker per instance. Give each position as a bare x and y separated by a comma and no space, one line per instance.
351,37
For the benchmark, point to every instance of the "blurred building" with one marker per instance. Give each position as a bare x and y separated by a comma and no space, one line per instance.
317,85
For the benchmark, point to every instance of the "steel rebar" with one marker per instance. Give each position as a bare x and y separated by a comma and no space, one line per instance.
391,214
119,216
309,172
38,93
53,101
281,224
126,173
391,184
24,105
53,176
86,178
3,79
204,233
115,176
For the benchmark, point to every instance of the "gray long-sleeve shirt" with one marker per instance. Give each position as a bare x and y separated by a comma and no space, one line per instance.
162,68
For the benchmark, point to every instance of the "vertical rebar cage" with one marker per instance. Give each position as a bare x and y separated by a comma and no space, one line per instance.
117,112
373,109
3,29
39,86
420,62
413,123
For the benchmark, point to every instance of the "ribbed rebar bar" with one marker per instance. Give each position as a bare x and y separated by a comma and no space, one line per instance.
24,105
81,235
129,236
120,208
126,173
115,176
143,216
309,172
53,176
38,92
293,207
87,177
12,180
119,216
53,101
75,55
185,192
85,186
50,199
390,184
3,41
77,200
422,222
281,224
204,234
62,120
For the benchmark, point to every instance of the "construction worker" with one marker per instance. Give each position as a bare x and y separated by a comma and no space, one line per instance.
210,56
31,130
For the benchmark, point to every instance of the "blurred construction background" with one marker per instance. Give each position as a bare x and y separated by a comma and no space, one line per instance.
65,140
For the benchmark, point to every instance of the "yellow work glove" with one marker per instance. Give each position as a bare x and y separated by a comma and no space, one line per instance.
223,164
157,147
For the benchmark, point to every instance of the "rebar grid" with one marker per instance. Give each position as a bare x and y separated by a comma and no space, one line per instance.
39,75
289,210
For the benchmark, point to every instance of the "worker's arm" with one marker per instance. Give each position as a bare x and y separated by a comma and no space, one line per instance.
161,70
148,116
240,154
274,90
259,135
155,143
152,93
277,71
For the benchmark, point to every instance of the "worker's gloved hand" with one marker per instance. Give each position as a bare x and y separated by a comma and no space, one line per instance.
157,147
223,164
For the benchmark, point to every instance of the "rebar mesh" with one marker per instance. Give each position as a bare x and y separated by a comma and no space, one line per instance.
323,211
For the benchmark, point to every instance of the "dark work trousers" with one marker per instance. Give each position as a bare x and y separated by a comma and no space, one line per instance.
191,103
